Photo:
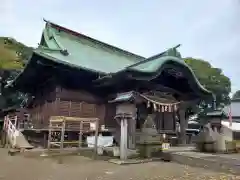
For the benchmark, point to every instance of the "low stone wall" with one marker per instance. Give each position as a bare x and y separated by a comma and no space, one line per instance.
212,162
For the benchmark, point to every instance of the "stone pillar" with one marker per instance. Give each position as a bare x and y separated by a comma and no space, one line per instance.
124,139
126,113
132,133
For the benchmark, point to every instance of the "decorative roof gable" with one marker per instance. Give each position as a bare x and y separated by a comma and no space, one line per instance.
74,49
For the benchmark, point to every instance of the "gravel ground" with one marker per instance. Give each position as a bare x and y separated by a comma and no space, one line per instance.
80,168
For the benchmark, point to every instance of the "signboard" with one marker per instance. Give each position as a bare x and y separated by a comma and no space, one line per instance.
165,146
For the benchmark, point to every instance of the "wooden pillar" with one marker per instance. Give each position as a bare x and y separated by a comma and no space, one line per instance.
124,139
183,121
80,135
49,136
96,140
15,121
44,139
60,160
183,139
62,136
3,138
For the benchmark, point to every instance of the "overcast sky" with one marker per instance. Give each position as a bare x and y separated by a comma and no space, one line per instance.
208,29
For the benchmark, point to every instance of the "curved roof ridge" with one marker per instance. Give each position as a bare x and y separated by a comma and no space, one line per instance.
154,56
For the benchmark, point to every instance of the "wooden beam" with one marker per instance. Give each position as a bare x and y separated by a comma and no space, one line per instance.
74,119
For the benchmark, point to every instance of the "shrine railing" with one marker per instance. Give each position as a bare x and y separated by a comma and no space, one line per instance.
10,128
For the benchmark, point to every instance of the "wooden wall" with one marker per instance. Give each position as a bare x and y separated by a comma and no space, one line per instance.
58,101
165,121
110,113
65,102
43,106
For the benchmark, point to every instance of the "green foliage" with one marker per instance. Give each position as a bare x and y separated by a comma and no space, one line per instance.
13,56
236,95
212,79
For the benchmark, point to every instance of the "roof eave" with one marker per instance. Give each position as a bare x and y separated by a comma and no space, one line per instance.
42,54
168,59
128,74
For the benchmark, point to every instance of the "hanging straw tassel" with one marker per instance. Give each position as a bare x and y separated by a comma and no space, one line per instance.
169,108
155,107
148,104
166,108
175,107
162,107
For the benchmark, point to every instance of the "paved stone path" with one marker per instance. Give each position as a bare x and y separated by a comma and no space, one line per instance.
80,168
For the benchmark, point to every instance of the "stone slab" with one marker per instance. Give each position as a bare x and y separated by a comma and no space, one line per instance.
210,161
133,161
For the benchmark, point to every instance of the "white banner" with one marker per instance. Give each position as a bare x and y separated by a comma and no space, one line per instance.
103,141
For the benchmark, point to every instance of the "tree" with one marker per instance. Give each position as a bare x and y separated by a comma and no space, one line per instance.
212,79
13,56
236,95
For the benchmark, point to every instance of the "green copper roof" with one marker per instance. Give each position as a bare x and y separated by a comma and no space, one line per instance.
156,64
64,46
152,67
67,47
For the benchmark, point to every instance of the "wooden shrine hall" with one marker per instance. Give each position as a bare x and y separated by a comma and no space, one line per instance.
73,75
